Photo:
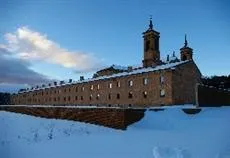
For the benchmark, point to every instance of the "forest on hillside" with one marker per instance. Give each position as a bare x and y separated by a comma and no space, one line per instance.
217,81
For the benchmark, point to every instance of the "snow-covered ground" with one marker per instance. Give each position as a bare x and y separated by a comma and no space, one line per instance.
163,134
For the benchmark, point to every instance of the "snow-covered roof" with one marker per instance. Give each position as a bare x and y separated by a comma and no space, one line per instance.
122,74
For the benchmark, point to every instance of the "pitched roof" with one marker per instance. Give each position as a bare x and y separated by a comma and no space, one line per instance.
137,71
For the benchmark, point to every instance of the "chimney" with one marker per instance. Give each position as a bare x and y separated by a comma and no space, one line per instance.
81,78
70,80
130,68
55,83
62,82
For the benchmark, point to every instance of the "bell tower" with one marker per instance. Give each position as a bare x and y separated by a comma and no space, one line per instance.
186,52
151,47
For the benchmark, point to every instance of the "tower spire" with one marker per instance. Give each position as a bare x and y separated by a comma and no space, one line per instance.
185,41
150,23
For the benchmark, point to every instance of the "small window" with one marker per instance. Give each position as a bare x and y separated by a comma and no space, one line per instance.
98,86
145,81
91,87
76,89
118,96
55,99
98,96
64,98
76,98
82,98
69,89
69,98
82,88
130,95
162,93
145,94
109,96
130,83
162,79
118,84
90,97
110,85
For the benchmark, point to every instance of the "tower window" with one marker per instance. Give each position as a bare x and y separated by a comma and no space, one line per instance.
147,45
130,95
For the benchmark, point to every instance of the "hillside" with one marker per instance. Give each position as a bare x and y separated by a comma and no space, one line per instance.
164,134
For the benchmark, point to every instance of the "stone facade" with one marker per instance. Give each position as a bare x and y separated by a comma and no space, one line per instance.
155,84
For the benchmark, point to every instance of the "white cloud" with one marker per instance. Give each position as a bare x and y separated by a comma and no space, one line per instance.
30,45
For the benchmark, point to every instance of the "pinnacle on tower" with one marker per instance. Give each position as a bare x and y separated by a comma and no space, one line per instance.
150,23
185,41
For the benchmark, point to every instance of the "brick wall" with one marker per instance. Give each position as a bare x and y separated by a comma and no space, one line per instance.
117,118
211,96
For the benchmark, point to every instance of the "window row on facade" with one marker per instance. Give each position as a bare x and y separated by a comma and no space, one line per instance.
92,87
90,97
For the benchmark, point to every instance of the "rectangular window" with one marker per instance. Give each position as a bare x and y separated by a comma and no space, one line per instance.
90,97
130,95
91,87
130,83
109,96
75,97
110,85
162,79
118,84
162,93
82,88
118,96
98,96
145,81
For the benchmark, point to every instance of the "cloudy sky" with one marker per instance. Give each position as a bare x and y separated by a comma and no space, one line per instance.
42,41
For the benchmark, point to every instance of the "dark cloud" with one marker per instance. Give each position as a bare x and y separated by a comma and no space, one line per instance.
17,71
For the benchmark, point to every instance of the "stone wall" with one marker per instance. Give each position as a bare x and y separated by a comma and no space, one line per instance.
210,96
117,118
99,92
184,81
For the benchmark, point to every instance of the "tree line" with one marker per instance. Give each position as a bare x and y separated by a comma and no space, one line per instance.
217,81
4,98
